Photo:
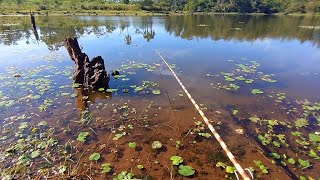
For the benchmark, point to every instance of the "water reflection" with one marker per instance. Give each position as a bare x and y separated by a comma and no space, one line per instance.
85,97
53,30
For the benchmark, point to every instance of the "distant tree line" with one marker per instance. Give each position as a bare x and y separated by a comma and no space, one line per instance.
222,6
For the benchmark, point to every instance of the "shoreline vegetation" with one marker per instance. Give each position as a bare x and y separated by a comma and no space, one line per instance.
140,13
159,7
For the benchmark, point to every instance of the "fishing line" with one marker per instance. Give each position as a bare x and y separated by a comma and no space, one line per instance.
213,131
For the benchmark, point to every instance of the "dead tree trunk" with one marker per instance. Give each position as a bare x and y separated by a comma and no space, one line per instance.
90,74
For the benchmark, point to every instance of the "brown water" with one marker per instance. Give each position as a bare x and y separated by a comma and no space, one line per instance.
220,59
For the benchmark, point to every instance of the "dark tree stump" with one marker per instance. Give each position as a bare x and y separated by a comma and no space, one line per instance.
91,74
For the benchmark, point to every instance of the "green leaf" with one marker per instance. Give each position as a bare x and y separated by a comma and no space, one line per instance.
235,112
156,145
132,144
156,92
276,144
94,157
139,166
82,136
291,161
101,89
230,169
106,168
35,154
314,138
186,170
301,123
221,164
249,81
112,90
256,91
176,160
304,163
275,155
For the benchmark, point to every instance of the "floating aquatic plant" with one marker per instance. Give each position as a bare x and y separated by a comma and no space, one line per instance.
94,157
106,168
186,170
176,160
82,136
221,164
256,91
314,138
262,167
304,163
124,175
230,169
156,145
139,166
156,92
301,123
132,144
291,161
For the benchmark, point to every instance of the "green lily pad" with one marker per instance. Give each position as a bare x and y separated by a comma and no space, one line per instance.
132,144
230,169
275,155
256,91
106,168
304,163
186,170
301,123
176,160
314,138
156,92
95,157
156,145
221,164
249,81
112,90
291,161
82,136
235,112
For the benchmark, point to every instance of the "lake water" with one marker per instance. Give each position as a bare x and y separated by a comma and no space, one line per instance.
256,78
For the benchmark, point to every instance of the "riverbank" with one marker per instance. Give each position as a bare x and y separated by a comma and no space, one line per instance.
134,13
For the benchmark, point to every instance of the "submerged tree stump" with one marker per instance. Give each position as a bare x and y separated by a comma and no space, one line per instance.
90,74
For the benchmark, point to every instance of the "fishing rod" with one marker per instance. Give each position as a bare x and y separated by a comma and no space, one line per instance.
212,129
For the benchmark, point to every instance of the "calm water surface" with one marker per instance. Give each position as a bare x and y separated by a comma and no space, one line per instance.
255,77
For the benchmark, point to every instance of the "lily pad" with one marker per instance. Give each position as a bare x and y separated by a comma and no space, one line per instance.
156,92
291,161
301,123
132,144
230,169
186,170
106,168
156,145
314,138
139,166
95,157
176,160
304,163
82,136
256,91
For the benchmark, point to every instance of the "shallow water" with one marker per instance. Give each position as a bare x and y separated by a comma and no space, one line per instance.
213,56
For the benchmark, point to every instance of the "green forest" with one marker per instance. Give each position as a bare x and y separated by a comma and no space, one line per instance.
190,6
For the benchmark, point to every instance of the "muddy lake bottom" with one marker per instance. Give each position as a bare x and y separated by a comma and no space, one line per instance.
255,78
